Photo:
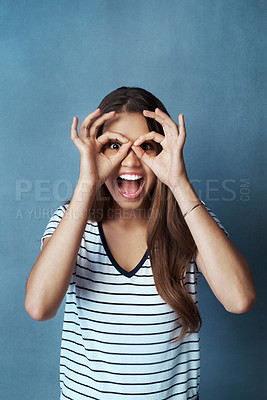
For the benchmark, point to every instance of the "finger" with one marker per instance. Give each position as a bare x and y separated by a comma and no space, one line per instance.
73,129
74,134
121,153
152,114
143,156
88,121
159,116
98,122
155,136
168,125
182,130
103,139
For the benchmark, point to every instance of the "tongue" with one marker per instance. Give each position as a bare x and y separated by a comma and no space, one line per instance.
129,187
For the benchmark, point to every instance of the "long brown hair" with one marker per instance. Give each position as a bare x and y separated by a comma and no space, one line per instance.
170,243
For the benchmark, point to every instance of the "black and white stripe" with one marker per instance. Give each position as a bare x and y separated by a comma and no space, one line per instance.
117,337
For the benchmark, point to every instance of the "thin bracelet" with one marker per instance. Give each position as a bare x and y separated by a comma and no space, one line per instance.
192,208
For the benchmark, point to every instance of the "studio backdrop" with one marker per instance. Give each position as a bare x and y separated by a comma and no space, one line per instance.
202,58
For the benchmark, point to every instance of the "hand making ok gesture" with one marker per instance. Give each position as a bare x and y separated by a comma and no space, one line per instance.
95,166
169,164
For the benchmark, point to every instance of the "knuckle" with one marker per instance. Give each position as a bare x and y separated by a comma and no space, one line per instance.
94,126
84,125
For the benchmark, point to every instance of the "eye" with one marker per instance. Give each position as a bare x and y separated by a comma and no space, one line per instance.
114,145
147,146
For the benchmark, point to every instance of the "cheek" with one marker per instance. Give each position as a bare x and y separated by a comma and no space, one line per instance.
154,182
108,152
151,177
150,183
111,184
108,184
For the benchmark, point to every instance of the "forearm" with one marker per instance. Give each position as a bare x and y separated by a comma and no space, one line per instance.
50,277
223,266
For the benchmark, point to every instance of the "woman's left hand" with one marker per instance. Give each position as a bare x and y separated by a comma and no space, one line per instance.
169,164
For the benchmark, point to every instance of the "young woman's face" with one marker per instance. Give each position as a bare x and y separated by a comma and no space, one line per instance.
132,181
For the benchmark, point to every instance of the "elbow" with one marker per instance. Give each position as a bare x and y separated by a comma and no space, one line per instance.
244,304
37,313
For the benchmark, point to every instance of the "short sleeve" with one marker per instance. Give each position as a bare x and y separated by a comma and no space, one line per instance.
216,219
53,223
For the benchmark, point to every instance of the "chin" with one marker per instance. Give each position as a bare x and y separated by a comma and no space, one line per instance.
141,206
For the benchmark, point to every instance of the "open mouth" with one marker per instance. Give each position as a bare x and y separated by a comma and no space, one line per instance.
130,186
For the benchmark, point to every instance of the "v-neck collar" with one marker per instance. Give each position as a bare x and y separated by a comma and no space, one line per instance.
129,274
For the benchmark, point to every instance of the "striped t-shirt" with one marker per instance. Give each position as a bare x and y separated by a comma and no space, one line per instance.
117,338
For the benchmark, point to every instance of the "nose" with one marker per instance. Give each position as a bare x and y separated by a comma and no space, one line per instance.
131,160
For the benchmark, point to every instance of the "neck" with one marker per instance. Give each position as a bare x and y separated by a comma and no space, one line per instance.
129,217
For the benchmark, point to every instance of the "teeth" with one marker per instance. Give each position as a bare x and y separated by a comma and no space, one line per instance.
130,177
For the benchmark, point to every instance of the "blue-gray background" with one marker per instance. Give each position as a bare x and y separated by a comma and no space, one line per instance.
204,58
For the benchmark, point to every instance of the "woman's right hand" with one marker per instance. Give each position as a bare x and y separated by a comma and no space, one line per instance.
95,166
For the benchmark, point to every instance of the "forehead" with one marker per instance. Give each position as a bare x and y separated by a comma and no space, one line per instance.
132,125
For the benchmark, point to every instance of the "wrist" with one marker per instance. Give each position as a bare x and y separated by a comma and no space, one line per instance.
183,189
185,195
85,190
180,181
81,202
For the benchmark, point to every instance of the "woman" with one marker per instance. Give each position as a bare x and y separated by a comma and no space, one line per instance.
127,250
